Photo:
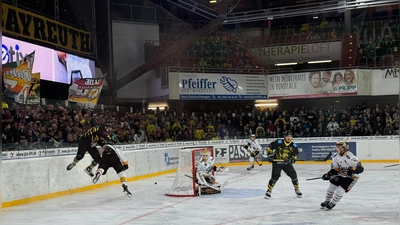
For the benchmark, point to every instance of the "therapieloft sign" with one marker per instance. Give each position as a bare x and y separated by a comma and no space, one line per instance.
25,24
299,53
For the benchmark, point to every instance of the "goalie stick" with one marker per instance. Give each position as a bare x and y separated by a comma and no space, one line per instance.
205,183
391,165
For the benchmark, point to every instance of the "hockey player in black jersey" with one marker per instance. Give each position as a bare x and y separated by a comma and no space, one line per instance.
87,143
115,158
282,154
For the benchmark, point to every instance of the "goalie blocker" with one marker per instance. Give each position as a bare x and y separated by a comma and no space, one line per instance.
195,175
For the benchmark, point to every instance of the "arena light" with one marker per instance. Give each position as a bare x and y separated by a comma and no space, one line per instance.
160,105
322,61
266,104
286,64
213,1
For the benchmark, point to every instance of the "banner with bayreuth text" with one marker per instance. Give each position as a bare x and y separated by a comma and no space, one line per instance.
25,24
314,84
204,86
299,53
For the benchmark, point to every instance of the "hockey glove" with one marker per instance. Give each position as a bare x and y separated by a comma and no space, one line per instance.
326,176
292,160
350,172
270,158
254,154
246,147
126,167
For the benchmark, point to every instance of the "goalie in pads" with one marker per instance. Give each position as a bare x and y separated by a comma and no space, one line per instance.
204,177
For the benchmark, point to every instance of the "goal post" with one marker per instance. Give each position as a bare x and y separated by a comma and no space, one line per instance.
184,184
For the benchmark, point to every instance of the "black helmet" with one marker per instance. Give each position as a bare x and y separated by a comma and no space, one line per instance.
287,133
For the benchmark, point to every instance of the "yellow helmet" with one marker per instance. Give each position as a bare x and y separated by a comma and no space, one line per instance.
206,153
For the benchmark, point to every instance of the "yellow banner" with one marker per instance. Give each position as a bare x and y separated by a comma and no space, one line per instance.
22,23
20,82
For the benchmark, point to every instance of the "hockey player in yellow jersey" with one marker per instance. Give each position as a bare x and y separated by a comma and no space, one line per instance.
282,154
96,135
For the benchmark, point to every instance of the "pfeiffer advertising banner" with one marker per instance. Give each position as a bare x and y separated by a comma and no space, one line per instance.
204,86
20,82
299,53
22,23
85,92
385,82
313,84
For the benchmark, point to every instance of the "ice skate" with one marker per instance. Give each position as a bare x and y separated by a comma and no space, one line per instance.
88,170
96,178
267,195
298,193
250,167
126,191
70,166
330,206
324,204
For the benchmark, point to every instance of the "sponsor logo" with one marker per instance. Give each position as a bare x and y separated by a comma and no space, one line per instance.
130,147
221,152
237,153
170,160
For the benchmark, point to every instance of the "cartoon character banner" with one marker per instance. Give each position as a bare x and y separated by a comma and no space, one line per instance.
203,86
313,84
20,82
85,92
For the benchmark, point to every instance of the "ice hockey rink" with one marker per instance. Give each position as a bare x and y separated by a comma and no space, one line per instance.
374,199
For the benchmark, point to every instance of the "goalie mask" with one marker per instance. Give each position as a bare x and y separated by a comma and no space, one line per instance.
342,147
205,155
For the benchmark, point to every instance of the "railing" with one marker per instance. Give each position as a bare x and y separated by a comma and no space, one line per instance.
136,13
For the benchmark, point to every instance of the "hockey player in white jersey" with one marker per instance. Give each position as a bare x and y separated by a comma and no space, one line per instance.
254,148
343,175
204,173
113,157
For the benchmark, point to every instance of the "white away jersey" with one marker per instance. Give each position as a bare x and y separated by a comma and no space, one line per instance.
253,145
205,167
344,163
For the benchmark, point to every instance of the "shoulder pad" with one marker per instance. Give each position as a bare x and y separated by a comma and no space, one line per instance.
279,141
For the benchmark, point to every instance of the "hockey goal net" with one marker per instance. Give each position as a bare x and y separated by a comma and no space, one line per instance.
184,183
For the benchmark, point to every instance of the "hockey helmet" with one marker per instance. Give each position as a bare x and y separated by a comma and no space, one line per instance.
253,135
287,133
343,145
205,155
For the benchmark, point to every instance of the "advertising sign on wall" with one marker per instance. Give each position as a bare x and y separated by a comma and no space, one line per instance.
313,84
385,82
203,86
299,53
52,65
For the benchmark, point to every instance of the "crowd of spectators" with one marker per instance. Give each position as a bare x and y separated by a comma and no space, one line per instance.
26,127
377,47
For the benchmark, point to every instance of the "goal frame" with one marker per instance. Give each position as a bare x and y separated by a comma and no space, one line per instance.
185,175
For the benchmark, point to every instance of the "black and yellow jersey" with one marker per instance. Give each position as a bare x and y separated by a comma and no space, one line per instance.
282,150
97,134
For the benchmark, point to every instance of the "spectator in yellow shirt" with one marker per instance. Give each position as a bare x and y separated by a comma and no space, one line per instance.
198,133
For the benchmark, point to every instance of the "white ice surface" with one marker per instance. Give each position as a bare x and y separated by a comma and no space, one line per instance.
373,200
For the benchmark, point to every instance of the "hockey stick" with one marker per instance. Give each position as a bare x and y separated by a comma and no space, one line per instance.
205,183
391,165
255,158
314,178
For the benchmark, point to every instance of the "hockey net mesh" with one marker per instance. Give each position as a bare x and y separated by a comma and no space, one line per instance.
183,184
